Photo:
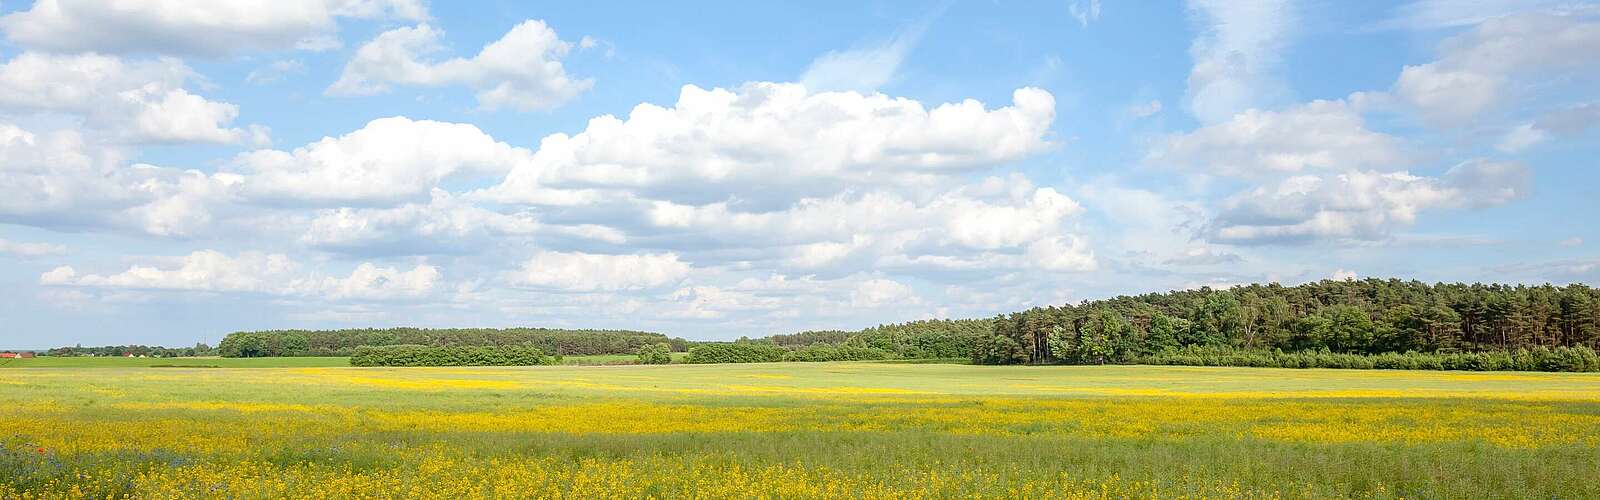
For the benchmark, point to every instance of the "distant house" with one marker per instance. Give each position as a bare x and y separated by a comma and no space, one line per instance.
23,354
8,355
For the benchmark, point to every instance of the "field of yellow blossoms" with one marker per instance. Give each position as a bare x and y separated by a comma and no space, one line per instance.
805,430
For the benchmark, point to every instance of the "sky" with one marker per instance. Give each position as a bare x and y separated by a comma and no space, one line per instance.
172,171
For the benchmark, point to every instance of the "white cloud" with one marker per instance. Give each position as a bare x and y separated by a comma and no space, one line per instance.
1571,242
275,72
1203,255
1143,109
1237,55
446,224
1478,70
193,28
863,68
1343,275
778,140
30,250
138,101
522,70
1520,138
577,271
1362,205
254,272
1084,12
880,292
57,180
1570,120
1437,14
1318,135
995,224
387,161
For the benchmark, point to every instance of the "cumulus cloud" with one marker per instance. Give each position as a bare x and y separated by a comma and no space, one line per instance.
1479,70
1362,205
1237,55
211,29
998,223
1318,135
577,271
388,160
137,101
882,292
254,272
779,140
58,180
522,70
445,224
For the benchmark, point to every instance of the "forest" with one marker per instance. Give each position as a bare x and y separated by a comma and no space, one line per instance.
1363,317
344,342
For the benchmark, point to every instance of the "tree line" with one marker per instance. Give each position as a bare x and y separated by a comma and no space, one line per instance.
1371,316
149,351
427,355
558,342
924,339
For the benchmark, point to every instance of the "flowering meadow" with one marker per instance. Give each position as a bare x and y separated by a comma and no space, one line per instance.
795,430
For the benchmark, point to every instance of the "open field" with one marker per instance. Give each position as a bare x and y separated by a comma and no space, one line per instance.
211,362
797,430
278,362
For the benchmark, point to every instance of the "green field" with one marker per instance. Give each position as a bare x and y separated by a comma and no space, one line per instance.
282,362
797,430
118,362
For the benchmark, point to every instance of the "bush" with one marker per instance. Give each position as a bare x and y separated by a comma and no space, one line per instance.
421,355
658,354
823,352
735,352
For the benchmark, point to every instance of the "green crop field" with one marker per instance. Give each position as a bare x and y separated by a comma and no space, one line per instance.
796,430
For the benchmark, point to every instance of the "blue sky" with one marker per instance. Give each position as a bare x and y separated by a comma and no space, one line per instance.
174,172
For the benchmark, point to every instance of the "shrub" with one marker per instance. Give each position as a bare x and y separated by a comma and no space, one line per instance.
421,355
823,352
735,352
658,354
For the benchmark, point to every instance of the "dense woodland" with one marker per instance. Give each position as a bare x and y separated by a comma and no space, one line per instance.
344,342
1371,316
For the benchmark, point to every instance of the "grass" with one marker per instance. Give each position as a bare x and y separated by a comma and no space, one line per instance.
300,362
613,359
206,362
798,430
